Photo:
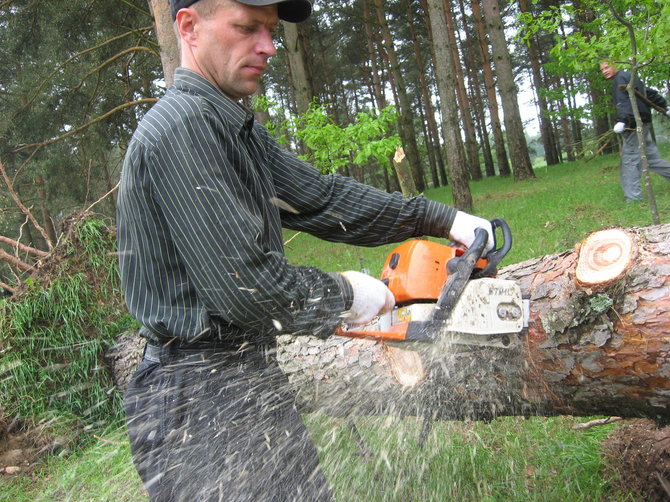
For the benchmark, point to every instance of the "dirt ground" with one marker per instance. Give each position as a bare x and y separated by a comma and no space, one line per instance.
638,454
20,451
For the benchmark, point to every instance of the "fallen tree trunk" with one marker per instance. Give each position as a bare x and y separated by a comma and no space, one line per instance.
598,342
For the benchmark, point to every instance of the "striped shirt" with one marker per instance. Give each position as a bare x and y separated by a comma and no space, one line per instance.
204,194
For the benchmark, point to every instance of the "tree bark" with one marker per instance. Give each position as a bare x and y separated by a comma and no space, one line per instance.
489,82
464,104
404,172
166,38
550,153
516,139
427,111
458,176
406,117
597,343
302,89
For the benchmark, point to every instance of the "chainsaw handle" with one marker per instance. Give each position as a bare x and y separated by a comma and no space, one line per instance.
495,256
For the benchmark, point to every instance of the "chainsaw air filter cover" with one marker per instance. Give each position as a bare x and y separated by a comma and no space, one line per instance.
417,269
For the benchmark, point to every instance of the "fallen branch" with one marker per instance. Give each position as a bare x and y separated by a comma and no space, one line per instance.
22,247
15,262
7,287
24,209
596,422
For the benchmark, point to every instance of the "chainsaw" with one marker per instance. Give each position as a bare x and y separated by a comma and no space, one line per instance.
448,293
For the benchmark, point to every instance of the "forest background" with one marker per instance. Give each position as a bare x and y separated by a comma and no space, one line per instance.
75,78
440,78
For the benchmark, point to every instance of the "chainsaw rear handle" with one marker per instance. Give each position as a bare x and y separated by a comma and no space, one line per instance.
495,256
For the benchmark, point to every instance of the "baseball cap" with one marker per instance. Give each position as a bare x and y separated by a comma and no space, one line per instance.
293,11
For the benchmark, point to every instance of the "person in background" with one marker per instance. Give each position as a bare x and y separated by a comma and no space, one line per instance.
631,162
204,194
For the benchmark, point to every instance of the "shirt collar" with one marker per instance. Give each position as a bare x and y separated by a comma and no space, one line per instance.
242,119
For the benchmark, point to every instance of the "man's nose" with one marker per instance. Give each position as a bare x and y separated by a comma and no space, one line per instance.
266,44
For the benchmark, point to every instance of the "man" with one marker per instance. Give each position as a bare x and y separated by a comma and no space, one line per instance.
204,193
631,163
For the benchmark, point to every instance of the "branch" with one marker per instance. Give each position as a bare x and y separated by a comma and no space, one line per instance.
24,209
71,58
85,126
13,260
22,247
112,59
102,198
7,287
593,423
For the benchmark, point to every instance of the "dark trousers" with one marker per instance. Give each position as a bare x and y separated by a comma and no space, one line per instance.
220,427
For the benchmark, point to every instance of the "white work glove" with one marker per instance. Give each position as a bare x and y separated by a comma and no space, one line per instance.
619,127
463,230
667,112
371,298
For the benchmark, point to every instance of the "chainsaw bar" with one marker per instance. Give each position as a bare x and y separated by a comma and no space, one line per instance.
490,312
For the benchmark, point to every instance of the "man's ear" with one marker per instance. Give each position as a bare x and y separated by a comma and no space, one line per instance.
185,24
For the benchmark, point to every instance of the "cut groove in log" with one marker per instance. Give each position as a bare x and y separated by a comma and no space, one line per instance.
604,257
406,365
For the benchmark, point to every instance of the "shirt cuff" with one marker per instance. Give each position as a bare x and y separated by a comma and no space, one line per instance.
438,219
347,290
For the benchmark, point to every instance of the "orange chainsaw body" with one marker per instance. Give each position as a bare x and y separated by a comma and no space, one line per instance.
416,270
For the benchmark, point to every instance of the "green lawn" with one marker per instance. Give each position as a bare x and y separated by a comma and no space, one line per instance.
509,459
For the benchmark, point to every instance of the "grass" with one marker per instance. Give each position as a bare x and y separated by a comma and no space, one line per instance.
547,214
509,459
102,472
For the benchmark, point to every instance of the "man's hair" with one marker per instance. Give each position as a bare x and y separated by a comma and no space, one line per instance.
207,8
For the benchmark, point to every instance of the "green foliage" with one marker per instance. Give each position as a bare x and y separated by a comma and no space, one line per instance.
53,335
601,35
331,147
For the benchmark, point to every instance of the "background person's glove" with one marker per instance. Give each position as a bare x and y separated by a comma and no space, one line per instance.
463,230
371,298
667,112
619,127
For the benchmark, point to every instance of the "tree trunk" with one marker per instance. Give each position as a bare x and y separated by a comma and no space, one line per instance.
508,92
597,343
404,173
458,177
489,82
430,124
166,38
302,88
550,154
464,104
475,96
380,98
406,119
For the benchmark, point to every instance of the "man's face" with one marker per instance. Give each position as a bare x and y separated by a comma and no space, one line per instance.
607,70
234,45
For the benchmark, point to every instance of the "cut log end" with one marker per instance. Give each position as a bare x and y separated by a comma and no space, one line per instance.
406,366
604,256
